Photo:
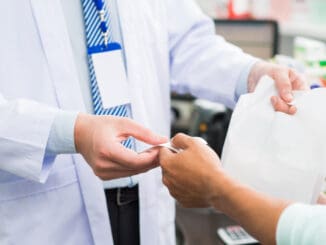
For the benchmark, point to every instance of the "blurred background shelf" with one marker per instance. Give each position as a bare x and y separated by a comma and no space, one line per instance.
303,29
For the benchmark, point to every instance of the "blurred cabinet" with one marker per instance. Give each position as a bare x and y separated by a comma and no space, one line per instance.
256,37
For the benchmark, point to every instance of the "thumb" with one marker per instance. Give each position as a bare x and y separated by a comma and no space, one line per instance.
164,155
131,128
182,141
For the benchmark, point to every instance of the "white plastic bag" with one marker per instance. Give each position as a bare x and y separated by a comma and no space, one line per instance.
275,153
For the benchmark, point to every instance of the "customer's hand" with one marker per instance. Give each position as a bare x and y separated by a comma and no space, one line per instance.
190,174
286,81
98,139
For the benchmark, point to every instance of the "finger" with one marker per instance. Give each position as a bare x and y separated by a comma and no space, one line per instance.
121,174
110,166
131,128
129,158
165,156
283,84
194,204
182,141
113,174
281,106
165,181
292,110
321,199
297,80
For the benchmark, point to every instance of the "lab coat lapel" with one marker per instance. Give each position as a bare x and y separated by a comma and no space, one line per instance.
135,50
57,48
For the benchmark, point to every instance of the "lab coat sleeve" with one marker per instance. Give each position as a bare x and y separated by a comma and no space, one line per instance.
24,130
201,62
302,224
61,139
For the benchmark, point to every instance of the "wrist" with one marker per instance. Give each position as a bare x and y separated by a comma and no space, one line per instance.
257,71
82,126
217,185
222,187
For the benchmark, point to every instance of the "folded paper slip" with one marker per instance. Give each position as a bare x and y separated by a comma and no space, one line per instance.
275,153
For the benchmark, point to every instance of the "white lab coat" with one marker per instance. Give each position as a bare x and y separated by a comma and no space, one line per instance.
48,200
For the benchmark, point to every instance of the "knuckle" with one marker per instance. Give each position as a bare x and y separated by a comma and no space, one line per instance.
277,104
189,141
173,194
274,71
179,135
98,172
279,72
165,181
104,152
176,138
100,167
101,176
164,166
163,161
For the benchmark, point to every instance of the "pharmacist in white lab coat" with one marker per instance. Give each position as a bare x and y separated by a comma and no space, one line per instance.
48,194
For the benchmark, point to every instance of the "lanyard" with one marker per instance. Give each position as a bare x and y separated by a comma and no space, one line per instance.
105,32
101,11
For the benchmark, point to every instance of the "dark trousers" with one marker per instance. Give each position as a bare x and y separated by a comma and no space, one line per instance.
123,207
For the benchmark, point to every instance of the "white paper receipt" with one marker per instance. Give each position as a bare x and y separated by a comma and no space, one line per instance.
111,78
170,146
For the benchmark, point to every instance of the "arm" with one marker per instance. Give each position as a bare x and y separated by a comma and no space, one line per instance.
258,213
32,134
24,130
205,65
195,178
202,63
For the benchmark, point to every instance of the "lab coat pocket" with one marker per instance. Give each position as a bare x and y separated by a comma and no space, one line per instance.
34,213
23,188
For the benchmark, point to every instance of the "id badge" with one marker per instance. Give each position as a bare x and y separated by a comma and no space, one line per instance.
110,75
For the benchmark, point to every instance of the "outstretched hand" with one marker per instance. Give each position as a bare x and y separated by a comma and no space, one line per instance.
189,172
98,139
286,81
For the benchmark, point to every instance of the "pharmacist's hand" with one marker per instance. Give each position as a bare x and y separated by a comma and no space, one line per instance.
321,199
98,139
286,80
190,174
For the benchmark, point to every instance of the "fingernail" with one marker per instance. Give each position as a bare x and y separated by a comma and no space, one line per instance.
292,110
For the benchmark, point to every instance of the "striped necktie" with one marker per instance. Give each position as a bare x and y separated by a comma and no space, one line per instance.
94,38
